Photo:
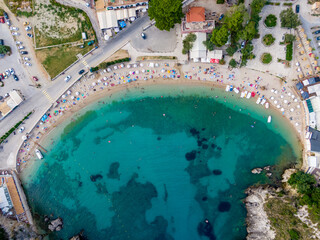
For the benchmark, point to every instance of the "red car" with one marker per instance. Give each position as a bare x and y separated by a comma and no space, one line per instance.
35,78
1,76
2,20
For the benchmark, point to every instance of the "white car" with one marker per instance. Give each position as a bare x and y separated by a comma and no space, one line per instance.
21,129
28,28
18,43
27,63
12,71
26,59
21,47
67,78
8,72
8,22
15,33
14,28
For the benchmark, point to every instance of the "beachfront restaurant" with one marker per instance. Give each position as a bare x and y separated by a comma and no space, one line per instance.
313,140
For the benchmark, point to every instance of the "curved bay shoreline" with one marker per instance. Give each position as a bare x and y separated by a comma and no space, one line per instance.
72,112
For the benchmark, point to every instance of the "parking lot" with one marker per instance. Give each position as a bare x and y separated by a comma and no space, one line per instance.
154,41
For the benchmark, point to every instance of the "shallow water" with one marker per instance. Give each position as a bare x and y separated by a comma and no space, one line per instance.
155,163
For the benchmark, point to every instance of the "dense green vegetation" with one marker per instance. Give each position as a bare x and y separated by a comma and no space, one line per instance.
309,192
270,21
1,12
247,54
107,64
7,134
266,58
232,49
289,19
233,63
209,45
289,51
5,49
220,1
166,13
268,39
188,42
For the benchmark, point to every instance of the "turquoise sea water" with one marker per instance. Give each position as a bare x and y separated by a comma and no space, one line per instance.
155,163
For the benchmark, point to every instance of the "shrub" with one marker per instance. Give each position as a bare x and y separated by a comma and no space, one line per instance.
294,234
220,1
231,50
289,51
270,21
107,64
233,63
222,62
266,58
287,4
188,42
268,39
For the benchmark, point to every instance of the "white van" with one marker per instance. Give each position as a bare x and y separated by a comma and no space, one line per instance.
67,78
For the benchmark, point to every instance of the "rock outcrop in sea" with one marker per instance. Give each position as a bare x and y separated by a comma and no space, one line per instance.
56,225
258,224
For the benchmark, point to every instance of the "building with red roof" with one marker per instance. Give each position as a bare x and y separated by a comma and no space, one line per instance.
196,14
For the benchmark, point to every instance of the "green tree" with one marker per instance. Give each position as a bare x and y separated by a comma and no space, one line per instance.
231,49
166,13
220,1
5,49
247,54
233,63
302,181
188,42
220,36
289,38
249,32
289,19
235,17
209,45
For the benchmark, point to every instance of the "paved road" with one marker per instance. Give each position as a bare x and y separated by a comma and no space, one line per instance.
41,102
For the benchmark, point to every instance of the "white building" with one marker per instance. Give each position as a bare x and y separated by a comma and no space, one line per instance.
11,102
199,51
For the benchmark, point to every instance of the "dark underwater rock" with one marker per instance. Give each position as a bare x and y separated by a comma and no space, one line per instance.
217,172
191,155
224,207
96,177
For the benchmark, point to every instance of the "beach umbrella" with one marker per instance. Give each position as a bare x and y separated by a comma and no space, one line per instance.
122,65
69,92
141,64
99,81
312,55
289,93
310,72
115,67
301,30
275,101
163,70
137,72
315,62
300,45
143,70
310,48
109,69
282,109
297,63
93,84
72,97
304,58
295,100
281,96
292,96
285,101
135,65
318,68
298,106
308,65
278,106
77,93
291,109
297,124
128,66
276,91
156,65
300,76
272,98
63,96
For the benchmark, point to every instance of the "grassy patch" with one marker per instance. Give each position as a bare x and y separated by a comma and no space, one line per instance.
18,5
289,51
270,21
156,58
55,60
281,213
266,58
1,12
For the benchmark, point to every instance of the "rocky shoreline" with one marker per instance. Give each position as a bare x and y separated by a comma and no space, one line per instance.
258,224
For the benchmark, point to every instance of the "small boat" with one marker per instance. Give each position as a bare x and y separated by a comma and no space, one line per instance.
249,95
258,100
269,119
236,90
227,88
267,105
231,88
38,153
243,94
263,101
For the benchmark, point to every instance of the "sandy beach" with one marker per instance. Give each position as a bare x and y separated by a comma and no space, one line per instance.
89,89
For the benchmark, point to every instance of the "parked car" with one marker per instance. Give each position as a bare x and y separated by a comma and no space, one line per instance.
11,70
21,129
143,35
25,23
1,42
29,35
28,28
8,72
15,77
8,22
15,33
243,44
35,78
21,47
14,28
18,43
1,76
24,52
90,43
81,71
27,63
318,38
2,20
221,16
67,78
297,8
26,59
317,32
5,15
5,75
